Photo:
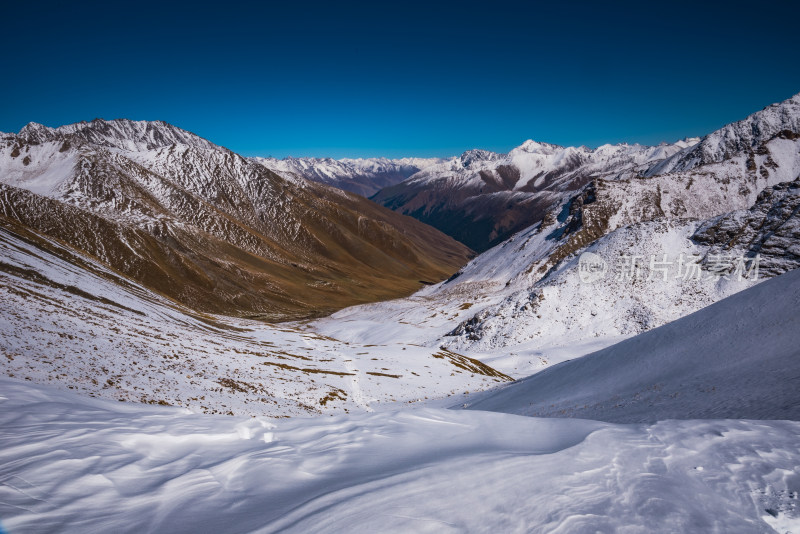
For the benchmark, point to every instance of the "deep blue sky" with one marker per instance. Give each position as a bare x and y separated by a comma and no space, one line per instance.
400,78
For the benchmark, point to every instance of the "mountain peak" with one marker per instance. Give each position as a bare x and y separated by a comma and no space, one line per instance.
737,137
536,147
35,132
135,136
476,154
124,134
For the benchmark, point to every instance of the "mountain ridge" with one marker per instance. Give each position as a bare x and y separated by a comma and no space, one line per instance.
363,176
117,133
206,220
744,135
481,198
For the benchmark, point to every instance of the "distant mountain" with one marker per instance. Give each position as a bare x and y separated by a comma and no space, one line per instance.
364,177
209,228
481,198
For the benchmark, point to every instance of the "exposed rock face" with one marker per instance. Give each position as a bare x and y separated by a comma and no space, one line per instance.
547,299
769,229
209,228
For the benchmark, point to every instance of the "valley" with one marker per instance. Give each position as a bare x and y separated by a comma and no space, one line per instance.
232,343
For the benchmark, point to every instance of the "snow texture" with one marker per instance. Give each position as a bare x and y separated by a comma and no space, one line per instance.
71,464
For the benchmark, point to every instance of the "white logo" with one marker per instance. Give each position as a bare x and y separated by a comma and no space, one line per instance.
591,267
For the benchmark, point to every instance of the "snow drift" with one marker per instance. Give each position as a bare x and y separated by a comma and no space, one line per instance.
71,464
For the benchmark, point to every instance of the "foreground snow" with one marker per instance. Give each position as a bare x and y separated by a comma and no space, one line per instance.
72,464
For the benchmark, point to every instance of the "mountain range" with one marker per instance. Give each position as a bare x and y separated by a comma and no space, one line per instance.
363,176
626,335
209,228
217,233
482,198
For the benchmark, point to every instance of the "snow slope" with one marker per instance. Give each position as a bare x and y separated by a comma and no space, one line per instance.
71,464
69,321
524,326
738,358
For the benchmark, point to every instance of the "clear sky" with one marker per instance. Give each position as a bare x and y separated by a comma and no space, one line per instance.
400,78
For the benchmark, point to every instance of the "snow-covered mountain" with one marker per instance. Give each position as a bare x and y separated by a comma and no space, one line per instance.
743,137
68,460
481,198
209,228
551,305
363,176
522,306
92,221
